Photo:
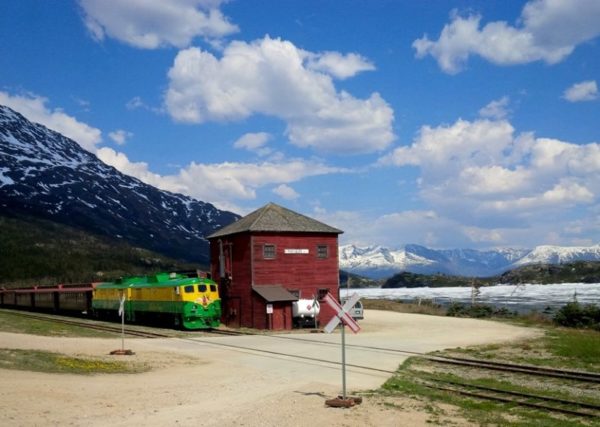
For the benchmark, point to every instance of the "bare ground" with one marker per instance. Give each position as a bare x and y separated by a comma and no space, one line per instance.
239,381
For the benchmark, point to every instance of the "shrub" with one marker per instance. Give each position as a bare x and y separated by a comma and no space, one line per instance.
575,315
478,311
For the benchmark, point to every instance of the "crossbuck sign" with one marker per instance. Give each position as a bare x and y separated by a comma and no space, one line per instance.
342,318
341,313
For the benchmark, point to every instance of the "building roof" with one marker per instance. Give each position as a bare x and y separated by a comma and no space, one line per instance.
274,293
275,218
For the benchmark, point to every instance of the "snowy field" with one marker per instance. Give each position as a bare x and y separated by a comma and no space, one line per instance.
521,298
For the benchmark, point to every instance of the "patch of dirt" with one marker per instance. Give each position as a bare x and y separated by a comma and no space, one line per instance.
211,382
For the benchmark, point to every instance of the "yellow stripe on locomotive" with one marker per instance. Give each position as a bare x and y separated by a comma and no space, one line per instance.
188,302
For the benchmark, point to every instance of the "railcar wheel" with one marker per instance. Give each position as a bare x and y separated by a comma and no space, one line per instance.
177,321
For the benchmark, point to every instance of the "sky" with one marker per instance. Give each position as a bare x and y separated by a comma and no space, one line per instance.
450,124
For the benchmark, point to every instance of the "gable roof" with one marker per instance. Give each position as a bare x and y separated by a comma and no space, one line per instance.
275,218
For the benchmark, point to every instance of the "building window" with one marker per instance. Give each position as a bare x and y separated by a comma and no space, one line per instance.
322,251
322,293
269,251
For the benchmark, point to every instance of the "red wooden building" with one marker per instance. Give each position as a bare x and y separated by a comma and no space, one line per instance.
270,258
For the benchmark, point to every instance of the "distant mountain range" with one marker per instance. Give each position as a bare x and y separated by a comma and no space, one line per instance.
47,175
379,262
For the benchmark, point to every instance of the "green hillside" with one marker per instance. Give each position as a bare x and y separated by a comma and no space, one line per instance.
35,251
573,272
357,281
414,280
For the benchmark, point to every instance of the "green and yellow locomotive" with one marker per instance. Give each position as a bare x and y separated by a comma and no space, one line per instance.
185,302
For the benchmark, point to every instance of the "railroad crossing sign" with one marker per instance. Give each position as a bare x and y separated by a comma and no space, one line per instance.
341,313
342,318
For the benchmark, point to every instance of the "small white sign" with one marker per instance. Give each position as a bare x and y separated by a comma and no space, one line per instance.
269,308
295,251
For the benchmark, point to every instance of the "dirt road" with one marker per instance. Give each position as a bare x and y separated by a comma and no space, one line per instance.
280,380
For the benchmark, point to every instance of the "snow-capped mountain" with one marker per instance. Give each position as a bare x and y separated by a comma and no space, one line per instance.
45,174
379,262
560,255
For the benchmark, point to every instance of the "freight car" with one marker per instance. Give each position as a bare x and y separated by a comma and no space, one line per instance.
188,302
171,298
72,299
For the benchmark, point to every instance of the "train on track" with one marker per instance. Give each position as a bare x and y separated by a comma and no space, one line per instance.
180,300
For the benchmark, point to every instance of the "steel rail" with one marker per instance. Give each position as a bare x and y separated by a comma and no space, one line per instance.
512,401
105,328
523,369
522,394
498,366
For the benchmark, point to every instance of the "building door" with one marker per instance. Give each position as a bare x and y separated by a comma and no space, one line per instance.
278,317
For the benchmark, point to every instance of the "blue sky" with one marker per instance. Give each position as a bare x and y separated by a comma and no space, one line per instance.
471,124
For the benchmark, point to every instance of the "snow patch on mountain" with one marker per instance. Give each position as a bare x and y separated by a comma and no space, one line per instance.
45,174
380,262
560,255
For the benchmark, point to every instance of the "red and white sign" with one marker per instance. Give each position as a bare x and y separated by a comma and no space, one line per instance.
341,313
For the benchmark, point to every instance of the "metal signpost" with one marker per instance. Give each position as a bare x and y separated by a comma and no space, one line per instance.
342,318
122,314
122,351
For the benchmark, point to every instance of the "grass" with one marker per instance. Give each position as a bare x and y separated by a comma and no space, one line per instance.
11,321
43,361
558,347
581,347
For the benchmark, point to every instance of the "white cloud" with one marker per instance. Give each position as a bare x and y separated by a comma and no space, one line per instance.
395,229
273,77
584,91
456,146
34,108
138,170
338,65
150,24
135,103
497,109
480,172
120,136
547,30
222,183
563,194
286,192
254,142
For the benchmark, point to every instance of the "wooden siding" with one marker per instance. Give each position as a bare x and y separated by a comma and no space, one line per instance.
296,267
236,294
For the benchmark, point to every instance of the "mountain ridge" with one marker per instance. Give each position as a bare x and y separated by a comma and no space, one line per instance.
45,174
378,262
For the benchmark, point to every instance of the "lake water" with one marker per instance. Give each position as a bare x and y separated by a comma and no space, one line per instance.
521,298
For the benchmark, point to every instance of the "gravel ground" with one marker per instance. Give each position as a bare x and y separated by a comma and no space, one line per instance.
238,381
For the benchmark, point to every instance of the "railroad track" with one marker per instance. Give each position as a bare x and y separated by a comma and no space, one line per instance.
482,364
524,369
95,326
529,400
466,362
